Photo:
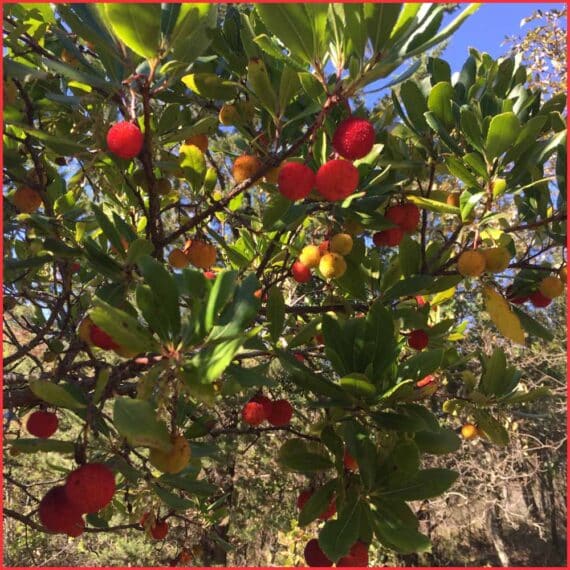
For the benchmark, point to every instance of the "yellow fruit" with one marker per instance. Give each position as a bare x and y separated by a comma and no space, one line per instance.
201,141
272,176
228,115
245,167
496,259
175,460
562,274
200,254
551,287
27,200
178,259
498,187
84,330
341,243
469,431
471,263
163,186
453,199
310,256
332,265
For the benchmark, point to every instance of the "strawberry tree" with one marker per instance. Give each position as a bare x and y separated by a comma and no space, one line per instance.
210,239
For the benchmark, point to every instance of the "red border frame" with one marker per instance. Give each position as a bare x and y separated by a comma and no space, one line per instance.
2,2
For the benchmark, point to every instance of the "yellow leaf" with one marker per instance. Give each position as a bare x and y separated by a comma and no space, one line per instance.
500,312
442,296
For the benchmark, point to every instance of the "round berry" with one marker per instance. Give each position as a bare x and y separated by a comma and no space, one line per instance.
125,140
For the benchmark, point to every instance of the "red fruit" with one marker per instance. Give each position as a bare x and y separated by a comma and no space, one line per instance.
354,138
358,556
324,247
420,301
125,140
265,402
295,180
539,300
349,462
57,514
209,275
390,238
253,413
299,357
337,179
101,339
281,413
159,530
42,424
411,218
320,339
303,497
395,214
330,511
418,339
425,381
301,273
75,267
90,487
516,299
314,556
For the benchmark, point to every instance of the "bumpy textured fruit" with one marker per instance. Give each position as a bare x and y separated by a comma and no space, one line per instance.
42,424
264,401
310,256
341,243
349,462
325,246
200,254
453,199
395,214
469,431
411,217
314,556
539,300
418,339
562,274
332,265
90,487
172,461
101,339
57,514
245,167
337,179
551,287
354,138
178,259
201,141
27,200
125,140
228,115
253,413
471,263
301,273
357,557
159,530
295,180
496,259
280,414
390,238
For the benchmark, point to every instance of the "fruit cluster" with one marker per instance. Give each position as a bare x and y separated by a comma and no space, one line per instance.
328,257
405,218
87,490
196,252
261,408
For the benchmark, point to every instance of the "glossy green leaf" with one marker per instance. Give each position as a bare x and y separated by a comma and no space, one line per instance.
58,395
503,131
275,312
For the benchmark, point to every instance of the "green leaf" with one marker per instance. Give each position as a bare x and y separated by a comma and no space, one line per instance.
259,82
198,488
136,25
305,334
194,165
439,102
503,131
45,445
458,169
437,125
191,35
425,485
222,291
275,312
421,285
164,290
102,381
136,421
317,503
123,328
358,385
172,500
491,427
292,25
295,456
439,442
61,145
380,20
108,228
410,256
211,86
289,86
415,104
494,372
337,536
532,326
58,395
398,536
137,249
471,129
